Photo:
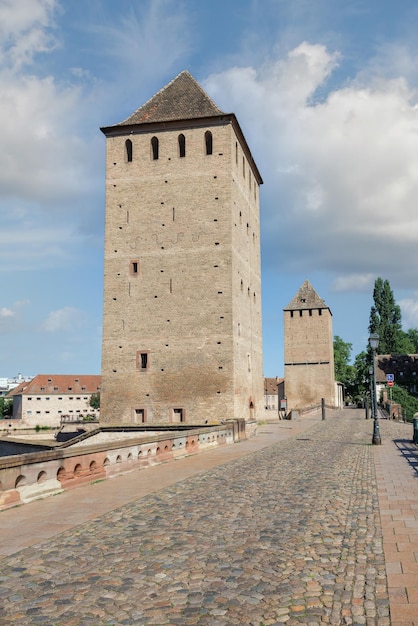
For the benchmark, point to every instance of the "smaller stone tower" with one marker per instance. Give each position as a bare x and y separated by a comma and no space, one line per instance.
308,350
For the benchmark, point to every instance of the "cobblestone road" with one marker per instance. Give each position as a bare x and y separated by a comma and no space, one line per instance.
287,535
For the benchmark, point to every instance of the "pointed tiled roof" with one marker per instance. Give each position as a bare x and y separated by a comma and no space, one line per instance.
306,298
182,99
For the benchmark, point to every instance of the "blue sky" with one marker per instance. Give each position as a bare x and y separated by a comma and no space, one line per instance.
326,94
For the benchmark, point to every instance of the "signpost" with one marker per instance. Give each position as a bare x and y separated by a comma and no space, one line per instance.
390,379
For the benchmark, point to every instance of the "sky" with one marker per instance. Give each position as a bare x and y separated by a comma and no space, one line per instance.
326,94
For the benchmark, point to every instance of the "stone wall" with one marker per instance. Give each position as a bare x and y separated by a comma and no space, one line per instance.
26,477
182,295
309,358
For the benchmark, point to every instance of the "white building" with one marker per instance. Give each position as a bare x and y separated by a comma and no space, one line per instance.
6,384
46,399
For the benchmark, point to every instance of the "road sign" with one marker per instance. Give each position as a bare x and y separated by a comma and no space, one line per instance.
390,383
390,377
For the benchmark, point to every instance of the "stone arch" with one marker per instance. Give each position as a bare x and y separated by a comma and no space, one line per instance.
42,477
20,481
77,470
93,466
61,474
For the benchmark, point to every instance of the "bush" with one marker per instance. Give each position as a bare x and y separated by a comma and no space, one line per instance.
408,402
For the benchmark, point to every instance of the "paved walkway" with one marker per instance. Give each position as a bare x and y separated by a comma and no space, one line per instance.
276,530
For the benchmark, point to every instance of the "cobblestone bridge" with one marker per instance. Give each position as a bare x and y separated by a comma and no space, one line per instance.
288,534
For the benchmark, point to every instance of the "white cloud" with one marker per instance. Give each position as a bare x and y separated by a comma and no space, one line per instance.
353,282
409,309
148,40
46,163
67,319
10,318
24,30
40,245
340,167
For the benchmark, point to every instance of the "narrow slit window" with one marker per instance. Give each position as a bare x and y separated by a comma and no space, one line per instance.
209,142
134,267
142,361
155,148
128,148
182,145
236,153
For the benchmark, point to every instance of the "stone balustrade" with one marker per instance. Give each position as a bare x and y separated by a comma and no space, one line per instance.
92,456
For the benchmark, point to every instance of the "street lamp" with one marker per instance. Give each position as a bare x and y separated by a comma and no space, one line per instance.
374,343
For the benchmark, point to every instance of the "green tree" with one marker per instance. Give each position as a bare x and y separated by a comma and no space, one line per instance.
385,319
361,376
344,372
412,338
408,402
6,407
94,401
342,352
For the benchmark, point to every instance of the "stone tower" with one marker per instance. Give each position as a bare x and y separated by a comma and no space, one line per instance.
308,350
182,290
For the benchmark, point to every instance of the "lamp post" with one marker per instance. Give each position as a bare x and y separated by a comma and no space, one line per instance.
371,391
374,343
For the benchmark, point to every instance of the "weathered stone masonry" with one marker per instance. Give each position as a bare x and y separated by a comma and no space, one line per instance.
309,350
182,297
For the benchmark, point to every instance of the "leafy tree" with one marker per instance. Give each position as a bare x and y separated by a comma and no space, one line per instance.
94,401
385,319
6,407
361,376
411,336
408,402
342,368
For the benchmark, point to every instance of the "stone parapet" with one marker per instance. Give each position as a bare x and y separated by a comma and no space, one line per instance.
87,458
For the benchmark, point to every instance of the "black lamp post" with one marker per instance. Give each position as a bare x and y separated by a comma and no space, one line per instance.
374,343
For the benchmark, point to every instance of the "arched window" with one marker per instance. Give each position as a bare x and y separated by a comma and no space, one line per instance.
128,148
182,145
209,142
154,146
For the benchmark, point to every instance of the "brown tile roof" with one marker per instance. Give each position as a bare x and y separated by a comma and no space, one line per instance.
58,384
270,385
182,99
306,298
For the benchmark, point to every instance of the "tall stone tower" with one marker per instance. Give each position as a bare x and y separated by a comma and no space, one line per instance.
182,292
308,350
